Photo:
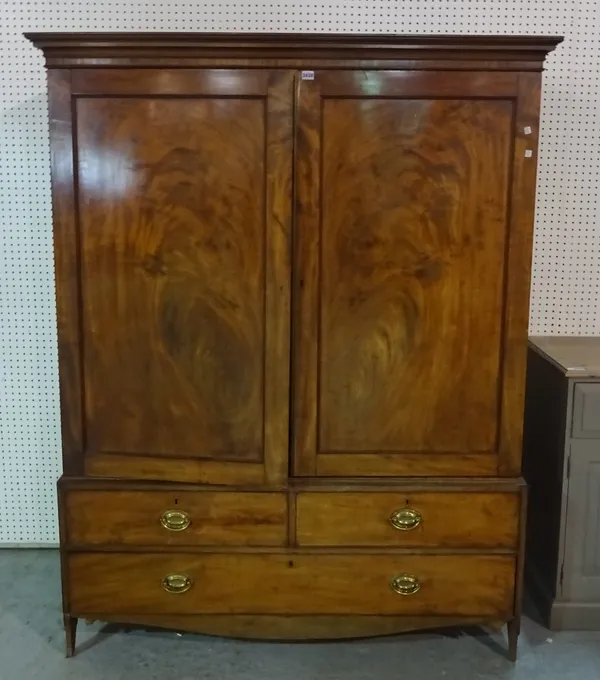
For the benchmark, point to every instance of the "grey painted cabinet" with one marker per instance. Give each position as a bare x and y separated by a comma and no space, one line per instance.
561,463
581,579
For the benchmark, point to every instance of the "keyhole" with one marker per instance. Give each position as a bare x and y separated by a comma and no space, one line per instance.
176,501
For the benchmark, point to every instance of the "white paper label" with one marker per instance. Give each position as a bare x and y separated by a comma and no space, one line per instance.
528,153
308,75
527,130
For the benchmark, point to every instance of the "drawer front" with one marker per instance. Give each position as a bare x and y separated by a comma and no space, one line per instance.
420,519
469,585
147,518
586,411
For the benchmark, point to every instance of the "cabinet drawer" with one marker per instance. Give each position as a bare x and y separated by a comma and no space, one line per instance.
434,519
469,585
175,518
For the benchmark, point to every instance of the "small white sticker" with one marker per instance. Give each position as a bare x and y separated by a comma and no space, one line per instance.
308,75
527,130
528,153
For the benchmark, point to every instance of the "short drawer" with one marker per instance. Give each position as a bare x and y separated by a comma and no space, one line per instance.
154,518
294,583
586,411
420,519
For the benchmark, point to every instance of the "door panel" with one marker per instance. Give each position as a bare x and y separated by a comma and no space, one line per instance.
586,411
582,550
183,214
414,217
173,274
404,215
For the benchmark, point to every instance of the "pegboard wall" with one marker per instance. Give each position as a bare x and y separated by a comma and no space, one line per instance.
566,271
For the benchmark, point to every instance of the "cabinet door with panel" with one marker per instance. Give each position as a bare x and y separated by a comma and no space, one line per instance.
177,355
581,567
414,203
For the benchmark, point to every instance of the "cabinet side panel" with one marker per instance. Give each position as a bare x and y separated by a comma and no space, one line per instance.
66,264
518,267
543,462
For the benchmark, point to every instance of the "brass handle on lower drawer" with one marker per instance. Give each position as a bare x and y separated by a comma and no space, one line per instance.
175,520
405,519
177,583
405,584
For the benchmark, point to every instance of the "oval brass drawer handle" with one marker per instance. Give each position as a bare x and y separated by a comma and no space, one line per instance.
405,519
175,520
405,584
177,583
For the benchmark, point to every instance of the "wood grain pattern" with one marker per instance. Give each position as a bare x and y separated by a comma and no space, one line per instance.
376,464
468,585
174,82
518,267
278,550
391,484
406,83
173,272
412,249
69,625
332,484
95,49
412,62
449,520
66,261
216,518
406,245
279,159
174,470
514,625
305,270
281,627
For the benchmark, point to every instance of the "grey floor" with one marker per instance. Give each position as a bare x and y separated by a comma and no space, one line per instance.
31,646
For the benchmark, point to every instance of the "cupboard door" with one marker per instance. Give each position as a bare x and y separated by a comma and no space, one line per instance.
581,561
414,202
180,235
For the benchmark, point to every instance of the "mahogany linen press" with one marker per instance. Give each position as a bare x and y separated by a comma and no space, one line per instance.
292,288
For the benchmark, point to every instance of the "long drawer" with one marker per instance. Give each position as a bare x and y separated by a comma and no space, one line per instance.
293,583
440,519
184,518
